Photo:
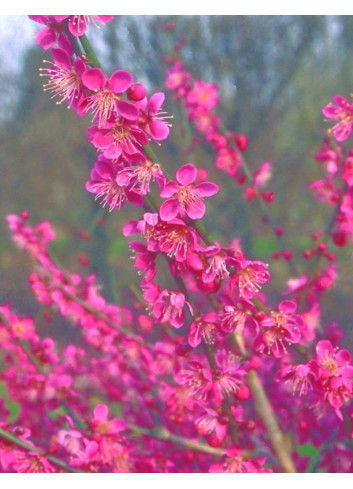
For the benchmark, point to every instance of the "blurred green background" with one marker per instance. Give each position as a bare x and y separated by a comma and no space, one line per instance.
275,73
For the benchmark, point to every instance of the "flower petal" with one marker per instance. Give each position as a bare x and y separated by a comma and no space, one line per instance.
61,58
159,130
155,102
196,210
169,209
120,81
94,79
186,174
169,189
127,110
206,189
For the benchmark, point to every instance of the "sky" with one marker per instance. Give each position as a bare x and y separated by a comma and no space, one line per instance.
16,33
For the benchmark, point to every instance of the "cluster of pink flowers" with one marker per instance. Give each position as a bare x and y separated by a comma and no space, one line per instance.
336,189
200,100
181,387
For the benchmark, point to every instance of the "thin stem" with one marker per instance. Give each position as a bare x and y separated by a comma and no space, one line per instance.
16,441
265,412
162,433
92,57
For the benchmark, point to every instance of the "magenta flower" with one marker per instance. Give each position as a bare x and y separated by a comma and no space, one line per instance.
78,23
105,98
174,238
203,94
300,376
211,422
167,305
228,160
229,375
103,183
119,138
169,308
281,328
64,77
178,79
140,176
219,259
52,33
342,111
249,279
144,260
198,380
237,314
333,373
185,198
151,119
203,328
333,362
101,424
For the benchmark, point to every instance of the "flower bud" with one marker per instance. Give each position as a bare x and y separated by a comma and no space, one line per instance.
136,92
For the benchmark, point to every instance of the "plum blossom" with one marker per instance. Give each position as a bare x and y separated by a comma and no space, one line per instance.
203,328
185,198
281,327
103,183
167,305
64,77
119,138
78,24
151,119
333,372
342,111
249,278
104,97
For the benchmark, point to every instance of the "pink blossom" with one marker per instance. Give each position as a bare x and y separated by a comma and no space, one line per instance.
151,119
333,372
78,23
281,328
211,422
139,176
228,160
101,424
64,78
342,111
197,380
237,314
174,238
144,260
219,260
103,183
52,33
167,306
203,94
326,190
229,375
249,278
203,328
262,175
300,376
105,96
183,197
178,79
